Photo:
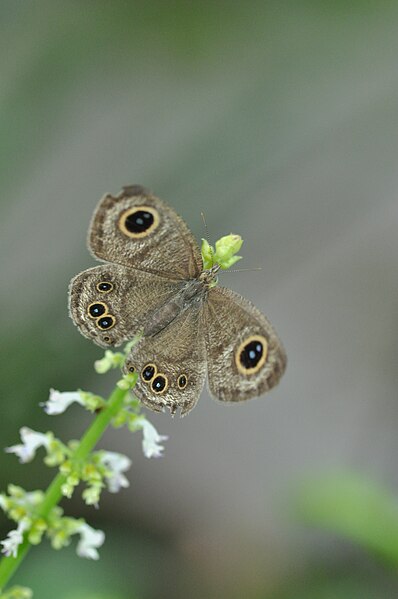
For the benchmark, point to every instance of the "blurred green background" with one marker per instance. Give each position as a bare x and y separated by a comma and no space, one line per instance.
279,120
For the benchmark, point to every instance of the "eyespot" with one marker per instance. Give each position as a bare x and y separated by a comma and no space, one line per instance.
159,384
148,372
131,369
97,309
106,322
182,381
104,287
251,354
139,221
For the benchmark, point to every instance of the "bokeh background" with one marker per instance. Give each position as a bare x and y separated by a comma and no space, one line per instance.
279,120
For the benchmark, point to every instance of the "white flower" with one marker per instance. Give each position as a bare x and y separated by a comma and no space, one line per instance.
151,441
14,539
31,441
59,401
90,540
116,463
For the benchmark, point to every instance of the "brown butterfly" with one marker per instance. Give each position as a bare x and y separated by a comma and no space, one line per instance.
153,283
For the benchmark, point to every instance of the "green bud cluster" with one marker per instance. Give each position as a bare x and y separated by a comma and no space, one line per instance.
224,252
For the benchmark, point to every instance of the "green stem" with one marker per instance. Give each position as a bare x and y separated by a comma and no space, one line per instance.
53,495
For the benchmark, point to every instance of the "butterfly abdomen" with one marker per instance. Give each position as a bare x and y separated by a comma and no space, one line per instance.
192,291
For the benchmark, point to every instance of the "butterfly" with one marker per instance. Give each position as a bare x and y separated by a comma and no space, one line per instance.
153,283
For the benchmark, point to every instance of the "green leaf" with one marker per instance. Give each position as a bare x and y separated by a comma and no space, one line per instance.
207,254
230,262
228,245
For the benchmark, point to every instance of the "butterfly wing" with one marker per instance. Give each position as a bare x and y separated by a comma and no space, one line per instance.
111,303
137,229
172,364
244,355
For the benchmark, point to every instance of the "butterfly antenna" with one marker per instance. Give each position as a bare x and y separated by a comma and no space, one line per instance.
207,237
242,269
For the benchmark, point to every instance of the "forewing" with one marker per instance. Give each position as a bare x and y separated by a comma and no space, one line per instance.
110,304
137,229
171,365
244,355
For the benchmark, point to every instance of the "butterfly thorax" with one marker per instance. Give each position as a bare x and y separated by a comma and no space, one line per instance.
193,291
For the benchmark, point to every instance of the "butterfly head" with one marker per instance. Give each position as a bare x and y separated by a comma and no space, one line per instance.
209,276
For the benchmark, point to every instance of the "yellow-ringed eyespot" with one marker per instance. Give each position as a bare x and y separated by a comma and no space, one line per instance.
148,372
251,354
159,384
131,369
106,322
182,381
104,286
97,309
139,221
